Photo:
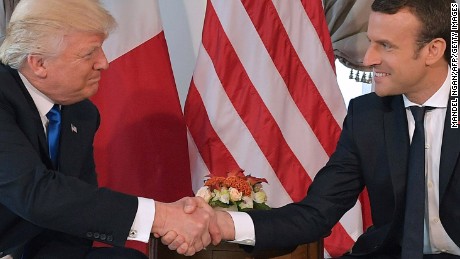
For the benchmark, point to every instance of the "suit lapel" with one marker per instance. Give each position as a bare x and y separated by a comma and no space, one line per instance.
43,144
449,152
397,144
35,130
73,140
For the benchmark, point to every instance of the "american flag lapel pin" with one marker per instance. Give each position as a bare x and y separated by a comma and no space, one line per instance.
73,128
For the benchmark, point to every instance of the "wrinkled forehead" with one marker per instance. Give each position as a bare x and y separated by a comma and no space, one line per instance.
77,41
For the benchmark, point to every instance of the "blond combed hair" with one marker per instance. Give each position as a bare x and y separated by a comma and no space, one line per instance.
38,27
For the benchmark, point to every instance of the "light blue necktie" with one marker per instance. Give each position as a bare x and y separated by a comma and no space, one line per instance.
54,127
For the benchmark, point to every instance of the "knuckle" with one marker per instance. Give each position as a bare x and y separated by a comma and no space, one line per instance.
206,216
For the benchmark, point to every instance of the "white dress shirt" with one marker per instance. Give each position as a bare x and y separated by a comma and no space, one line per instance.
140,230
436,239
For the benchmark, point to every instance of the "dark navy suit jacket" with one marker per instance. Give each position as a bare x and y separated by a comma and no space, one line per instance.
372,152
40,205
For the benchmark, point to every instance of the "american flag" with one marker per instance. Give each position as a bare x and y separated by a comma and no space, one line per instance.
264,98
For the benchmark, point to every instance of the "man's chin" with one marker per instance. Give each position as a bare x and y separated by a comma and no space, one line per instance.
92,90
382,91
381,94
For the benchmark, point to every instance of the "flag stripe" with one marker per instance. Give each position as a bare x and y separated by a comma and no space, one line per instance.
272,89
314,10
197,164
231,129
139,32
312,54
266,80
297,79
135,79
217,157
352,221
141,145
253,111
334,244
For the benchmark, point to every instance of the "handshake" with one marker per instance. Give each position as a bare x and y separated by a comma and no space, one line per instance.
190,224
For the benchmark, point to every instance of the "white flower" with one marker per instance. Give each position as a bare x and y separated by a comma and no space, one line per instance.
260,196
246,203
224,196
215,195
235,195
204,193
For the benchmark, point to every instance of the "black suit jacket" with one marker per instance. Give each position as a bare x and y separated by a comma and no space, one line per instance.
36,199
372,151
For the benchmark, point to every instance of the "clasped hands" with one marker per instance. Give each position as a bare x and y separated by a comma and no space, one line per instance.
190,224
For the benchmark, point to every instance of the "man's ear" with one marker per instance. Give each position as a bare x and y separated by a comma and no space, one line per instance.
436,49
37,65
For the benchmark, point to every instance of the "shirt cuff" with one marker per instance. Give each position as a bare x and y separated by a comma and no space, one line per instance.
143,222
244,228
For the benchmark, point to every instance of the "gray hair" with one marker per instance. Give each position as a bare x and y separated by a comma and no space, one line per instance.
38,27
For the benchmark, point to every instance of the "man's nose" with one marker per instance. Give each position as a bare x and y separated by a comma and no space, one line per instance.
371,58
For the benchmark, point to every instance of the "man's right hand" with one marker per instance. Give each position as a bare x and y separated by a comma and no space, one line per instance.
192,231
223,221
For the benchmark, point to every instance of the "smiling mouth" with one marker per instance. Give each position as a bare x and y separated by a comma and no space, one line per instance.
380,74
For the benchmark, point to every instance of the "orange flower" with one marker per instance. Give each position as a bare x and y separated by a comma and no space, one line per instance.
239,183
215,182
253,180
237,173
237,189
236,179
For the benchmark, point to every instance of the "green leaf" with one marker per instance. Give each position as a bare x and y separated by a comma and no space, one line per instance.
218,204
257,206
261,206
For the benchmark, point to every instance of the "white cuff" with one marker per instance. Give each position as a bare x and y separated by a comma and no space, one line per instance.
143,222
244,228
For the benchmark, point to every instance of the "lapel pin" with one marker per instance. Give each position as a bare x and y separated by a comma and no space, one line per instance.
73,128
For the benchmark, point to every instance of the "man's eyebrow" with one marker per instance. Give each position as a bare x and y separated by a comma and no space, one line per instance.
384,42
379,41
89,48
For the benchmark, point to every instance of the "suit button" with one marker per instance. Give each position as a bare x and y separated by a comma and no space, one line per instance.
89,234
103,237
96,235
110,238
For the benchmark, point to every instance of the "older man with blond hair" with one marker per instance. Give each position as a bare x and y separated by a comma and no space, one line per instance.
50,205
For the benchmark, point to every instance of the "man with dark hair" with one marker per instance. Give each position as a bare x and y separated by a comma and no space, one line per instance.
435,21
397,142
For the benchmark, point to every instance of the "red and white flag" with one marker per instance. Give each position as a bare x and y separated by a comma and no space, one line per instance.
264,98
141,145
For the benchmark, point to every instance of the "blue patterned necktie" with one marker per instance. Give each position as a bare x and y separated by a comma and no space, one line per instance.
412,245
54,127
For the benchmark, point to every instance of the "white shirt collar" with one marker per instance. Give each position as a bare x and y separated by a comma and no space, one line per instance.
43,103
439,99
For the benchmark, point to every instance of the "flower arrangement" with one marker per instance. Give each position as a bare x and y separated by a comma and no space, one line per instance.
234,192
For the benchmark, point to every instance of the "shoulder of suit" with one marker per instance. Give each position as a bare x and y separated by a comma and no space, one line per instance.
83,109
8,75
85,104
372,99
